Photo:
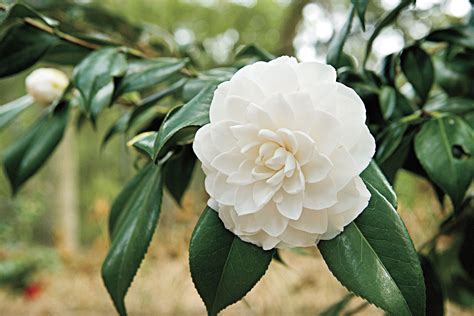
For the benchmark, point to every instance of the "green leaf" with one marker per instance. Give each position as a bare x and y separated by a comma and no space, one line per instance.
152,99
178,171
335,53
390,140
418,68
144,73
193,114
223,267
133,219
254,50
375,177
65,53
389,69
28,153
434,292
375,258
94,78
388,101
20,11
12,109
119,126
445,149
337,308
21,47
386,20
144,143
361,7
205,78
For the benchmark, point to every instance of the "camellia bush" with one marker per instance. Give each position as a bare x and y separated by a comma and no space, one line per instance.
296,154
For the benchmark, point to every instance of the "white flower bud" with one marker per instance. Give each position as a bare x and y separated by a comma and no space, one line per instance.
46,85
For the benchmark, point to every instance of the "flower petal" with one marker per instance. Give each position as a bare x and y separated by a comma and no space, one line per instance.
311,221
320,195
291,205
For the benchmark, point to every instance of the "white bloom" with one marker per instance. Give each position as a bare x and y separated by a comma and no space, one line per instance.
283,153
46,85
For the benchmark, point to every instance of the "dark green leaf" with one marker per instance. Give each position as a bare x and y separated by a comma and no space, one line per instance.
205,78
223,267
65,53
28,153
337,308
337,43
151,100
434,293
388,72
119,126
12,109
418,68
144,143
389,141
132,222
253,50
21,47
144,73
460,35
388,101
94,78
194,114
455,105
20,11
361,7
436,145
178,171
375,177
385,21
375,258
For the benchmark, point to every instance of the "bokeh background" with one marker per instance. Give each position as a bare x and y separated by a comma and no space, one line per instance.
53,234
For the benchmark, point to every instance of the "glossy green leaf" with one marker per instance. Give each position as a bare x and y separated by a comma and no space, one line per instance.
94,78
144,73
418,68
193,114
178,172
361,7
335,53
373,175
144,143
254,50
223,267
205,78
375,258
434,292
150,101
26,155
337,308
385,21
389,141
12,109
133,219
388,72
21,47
445,149
388,101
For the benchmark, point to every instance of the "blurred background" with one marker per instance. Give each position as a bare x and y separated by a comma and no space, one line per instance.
53,233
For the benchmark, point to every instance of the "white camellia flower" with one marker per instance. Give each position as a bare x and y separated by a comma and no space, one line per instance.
283,153
46,85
